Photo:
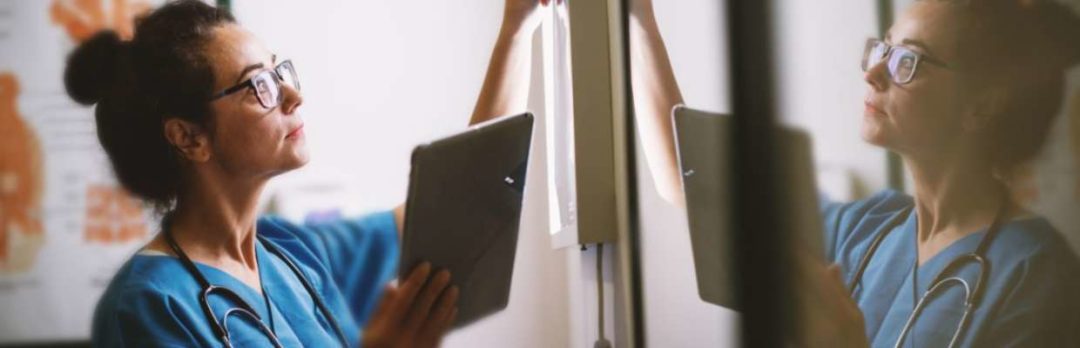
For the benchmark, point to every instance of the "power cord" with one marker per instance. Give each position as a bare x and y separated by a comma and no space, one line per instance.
601,342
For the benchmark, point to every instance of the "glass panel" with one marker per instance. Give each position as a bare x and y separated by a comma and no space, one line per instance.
678,53
947,175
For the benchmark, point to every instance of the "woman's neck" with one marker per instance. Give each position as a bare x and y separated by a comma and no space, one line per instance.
954,198
214,222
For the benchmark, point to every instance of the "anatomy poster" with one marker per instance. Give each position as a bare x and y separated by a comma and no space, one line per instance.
65,225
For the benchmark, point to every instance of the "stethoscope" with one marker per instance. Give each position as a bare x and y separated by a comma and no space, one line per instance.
972,295
245,309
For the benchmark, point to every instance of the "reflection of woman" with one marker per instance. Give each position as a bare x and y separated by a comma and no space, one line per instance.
964,91
196,116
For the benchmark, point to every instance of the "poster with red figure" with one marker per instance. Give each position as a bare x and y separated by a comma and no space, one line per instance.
66,226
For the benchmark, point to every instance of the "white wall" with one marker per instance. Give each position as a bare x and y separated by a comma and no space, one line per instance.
380,77
541,294
821,87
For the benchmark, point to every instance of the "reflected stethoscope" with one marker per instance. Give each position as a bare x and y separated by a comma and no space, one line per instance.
973,295
245,309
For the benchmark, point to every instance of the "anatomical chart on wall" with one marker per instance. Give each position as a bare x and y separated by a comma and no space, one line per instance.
65,224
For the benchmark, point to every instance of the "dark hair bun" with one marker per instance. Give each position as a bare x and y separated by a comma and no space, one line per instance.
94,69
163,72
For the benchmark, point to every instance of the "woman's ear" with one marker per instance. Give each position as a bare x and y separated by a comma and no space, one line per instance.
190,140
988,105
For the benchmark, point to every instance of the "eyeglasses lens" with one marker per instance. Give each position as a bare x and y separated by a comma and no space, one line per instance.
902,65
901,61
875,51
267,89
288,75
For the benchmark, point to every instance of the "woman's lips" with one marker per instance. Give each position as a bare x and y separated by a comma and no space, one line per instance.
871,110
299,131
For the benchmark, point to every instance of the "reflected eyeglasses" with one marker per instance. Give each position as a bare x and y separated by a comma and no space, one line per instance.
267,85
901,61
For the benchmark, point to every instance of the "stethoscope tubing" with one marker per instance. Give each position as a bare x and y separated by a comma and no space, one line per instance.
972,295
246,309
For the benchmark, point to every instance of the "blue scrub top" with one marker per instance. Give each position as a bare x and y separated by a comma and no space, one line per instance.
154,301
1031,295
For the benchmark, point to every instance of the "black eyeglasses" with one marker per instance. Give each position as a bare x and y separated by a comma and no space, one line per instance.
267,85
902,62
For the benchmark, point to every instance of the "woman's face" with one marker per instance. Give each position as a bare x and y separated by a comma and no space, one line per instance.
924,116
248,138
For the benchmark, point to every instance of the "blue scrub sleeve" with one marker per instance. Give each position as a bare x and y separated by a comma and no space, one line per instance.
831,213
362,256
858,219
359,255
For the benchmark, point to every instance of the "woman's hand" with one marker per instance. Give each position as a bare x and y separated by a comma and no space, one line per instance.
828,316
642,11
522,17
506,85
417,313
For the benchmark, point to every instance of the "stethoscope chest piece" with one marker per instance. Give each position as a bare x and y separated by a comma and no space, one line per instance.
242,308
948,278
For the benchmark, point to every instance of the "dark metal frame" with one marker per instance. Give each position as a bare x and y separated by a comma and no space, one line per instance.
277,74
761,280
634,225
890,54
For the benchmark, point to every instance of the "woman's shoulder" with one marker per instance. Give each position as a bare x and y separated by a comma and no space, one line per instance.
148,276
326,243
1033,239
844,221
149,304
149,298
320,234
885,202
273,225
1036,275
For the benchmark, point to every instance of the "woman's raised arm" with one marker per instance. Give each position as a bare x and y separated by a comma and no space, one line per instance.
506,86
656,93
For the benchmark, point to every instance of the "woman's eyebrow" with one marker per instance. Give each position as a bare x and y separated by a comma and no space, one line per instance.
919,44
248,69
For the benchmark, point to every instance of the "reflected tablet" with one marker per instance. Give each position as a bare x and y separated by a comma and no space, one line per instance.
702,142
463,210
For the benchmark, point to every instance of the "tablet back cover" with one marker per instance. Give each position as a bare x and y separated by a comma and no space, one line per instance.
702,142
463,211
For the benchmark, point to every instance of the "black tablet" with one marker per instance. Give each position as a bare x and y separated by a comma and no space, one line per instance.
702,142
463,210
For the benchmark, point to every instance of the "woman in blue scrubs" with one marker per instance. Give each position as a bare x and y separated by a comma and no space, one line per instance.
965,92
196,116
